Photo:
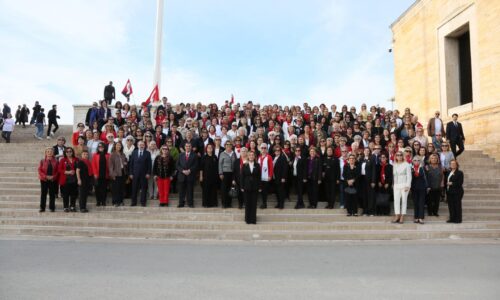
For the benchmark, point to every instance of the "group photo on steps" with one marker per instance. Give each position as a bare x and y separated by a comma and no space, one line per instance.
372,161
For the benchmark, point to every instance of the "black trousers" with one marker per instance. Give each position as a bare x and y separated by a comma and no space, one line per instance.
279,188
56,126
455,206
117,189
265,191
330,189
209,194
83,194
6,136
69,193
351,202
226,184
250,206
454,145
418,196
312,192
139,183
186,192
101,191
299,186
433,204
50,188
368,197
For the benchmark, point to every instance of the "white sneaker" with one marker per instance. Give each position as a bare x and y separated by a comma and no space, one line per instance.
40,138
51,133
342,206
47,138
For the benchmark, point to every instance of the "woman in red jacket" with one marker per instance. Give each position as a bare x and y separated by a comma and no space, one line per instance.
47,173
100,169
67,179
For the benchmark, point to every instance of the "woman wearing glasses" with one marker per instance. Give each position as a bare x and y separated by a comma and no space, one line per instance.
67,179
402,183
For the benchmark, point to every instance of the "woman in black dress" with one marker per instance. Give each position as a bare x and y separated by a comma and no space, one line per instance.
250,187
351,176
331,171
383,178
209,174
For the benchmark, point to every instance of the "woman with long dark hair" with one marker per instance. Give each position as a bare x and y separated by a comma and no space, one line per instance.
67,179
209,171
117,173
163,172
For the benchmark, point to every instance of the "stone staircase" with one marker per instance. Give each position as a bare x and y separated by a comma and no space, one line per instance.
19,203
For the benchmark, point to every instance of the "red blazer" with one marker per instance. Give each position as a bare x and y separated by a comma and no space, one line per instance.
42,169
74,138
95,165
62,169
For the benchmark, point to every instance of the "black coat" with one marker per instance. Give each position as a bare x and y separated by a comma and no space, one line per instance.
250,181
331,168
351,174
457,181
109,92
52,116
280,168
315,174
190,164
140,166
301,168
370,168
388,174
454,133
210,168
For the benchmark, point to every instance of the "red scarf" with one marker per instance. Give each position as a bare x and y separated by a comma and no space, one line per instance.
416,169
382,172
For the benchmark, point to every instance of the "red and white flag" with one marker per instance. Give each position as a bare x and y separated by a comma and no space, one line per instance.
154,97
127,90
232,99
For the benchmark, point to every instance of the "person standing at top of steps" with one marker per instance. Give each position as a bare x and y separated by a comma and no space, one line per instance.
52,117
48,173
109,93
36,110
39,123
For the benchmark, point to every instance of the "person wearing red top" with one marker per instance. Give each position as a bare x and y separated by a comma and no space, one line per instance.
100,170
47,173
80,132
67,179
267,172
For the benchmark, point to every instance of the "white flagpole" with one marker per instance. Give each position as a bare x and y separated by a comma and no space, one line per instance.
158,42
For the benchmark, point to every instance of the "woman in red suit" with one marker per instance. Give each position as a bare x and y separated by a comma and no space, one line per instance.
47,173
67,179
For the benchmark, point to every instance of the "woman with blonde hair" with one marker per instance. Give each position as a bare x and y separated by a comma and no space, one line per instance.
402,182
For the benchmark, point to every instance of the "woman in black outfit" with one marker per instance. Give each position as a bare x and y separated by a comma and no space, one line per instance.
237,165
250,187
455,192
209,177
331,171
351,176
383,178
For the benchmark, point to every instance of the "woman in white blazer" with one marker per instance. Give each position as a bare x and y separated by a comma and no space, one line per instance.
402,183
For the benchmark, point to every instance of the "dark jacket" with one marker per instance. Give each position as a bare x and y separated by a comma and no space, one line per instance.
52,116
140,166
190,164
210,168
419,182
454,133
109,92
331,169
162,168
370,167
314,174
457,181
250,181
301,168
280,170
388,174
351,174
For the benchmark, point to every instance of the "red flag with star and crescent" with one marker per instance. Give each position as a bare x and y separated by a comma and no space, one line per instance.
154,96
127,90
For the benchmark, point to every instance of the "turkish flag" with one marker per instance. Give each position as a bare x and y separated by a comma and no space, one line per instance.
232,99
155,96
127,90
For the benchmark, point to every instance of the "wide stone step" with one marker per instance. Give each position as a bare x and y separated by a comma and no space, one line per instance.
75,221
247,235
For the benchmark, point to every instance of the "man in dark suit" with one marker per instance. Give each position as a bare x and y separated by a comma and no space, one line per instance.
187,165
280,176
140,171
455,135
109,93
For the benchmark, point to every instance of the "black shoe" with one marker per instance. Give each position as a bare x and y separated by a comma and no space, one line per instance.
180,205
162,204
41,210
299,206
436,215
84,210
240,206
349,215
450,221
98,204
277,206
143,204
133,204
72,209
355,215
263,206
66,210
52,210
328,207
191,205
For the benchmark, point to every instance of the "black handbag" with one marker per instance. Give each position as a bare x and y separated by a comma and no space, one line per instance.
350,190
233,192
382,199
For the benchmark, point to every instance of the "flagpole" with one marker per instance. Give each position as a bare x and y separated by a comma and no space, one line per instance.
158,42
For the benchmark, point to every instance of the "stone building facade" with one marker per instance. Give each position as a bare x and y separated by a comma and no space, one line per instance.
447,58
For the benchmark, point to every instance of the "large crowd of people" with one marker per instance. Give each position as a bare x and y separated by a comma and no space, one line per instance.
357,160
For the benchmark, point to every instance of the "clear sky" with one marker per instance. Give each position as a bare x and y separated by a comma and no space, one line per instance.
279,51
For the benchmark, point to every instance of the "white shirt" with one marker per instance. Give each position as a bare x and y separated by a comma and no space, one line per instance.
8,125
265,172
251,165
342,162
437,125
295,166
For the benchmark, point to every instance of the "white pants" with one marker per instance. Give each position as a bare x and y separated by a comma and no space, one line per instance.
400,200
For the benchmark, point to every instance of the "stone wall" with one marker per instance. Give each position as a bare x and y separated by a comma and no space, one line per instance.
79,114
419,79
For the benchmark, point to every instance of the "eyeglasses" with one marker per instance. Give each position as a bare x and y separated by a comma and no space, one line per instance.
69,151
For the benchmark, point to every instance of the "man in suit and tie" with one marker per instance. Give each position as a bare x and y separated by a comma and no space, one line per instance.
187,165
455,135
140,171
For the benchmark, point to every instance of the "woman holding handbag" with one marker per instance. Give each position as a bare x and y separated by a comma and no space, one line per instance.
383,179
351,175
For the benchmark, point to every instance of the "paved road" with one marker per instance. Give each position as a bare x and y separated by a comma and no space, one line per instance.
97,269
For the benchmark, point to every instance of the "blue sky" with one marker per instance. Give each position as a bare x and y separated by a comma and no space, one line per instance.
287,52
